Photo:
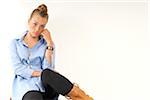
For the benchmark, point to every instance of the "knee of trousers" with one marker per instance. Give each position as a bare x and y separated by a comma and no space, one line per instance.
44,76
33,95
57,81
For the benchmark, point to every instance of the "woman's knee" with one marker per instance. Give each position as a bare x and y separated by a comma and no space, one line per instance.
44,75
33,95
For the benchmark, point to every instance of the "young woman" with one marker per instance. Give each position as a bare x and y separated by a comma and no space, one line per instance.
32,58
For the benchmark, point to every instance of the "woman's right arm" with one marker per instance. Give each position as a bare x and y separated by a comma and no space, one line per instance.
20,69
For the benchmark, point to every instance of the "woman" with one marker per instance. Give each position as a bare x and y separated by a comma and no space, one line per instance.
32,58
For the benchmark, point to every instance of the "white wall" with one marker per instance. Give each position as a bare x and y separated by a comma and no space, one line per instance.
102,46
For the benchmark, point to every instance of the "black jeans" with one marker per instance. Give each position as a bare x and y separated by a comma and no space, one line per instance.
54,84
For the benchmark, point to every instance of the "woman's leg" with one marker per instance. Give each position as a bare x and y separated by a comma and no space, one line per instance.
33,95
49,93
37,95
59,83
62,85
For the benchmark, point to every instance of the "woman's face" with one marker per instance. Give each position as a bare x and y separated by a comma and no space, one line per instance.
36,25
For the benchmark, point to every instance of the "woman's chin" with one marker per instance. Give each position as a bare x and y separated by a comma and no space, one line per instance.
34,36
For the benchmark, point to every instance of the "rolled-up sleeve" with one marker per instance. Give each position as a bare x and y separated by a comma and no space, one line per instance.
20,69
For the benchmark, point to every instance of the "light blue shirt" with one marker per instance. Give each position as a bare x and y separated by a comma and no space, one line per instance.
24,61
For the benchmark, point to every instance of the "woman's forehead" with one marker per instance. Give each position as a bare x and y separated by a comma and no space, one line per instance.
38,19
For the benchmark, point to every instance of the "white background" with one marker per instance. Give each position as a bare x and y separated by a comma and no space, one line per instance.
104,46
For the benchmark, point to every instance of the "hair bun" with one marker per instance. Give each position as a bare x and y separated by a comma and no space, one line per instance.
42,8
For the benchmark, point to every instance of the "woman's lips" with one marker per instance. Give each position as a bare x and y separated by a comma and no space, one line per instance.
36,33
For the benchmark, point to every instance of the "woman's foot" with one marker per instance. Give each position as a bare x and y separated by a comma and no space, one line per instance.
77,94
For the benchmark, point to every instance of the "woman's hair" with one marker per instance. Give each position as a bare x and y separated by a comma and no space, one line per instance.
40,10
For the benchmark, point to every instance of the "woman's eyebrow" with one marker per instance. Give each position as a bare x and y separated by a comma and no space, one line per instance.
35,21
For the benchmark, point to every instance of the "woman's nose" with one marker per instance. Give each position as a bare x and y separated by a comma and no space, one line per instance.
37,28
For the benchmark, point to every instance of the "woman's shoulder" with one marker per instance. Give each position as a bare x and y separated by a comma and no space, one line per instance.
18,37
14,41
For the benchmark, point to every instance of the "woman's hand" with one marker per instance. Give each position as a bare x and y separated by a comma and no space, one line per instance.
36,73
47,36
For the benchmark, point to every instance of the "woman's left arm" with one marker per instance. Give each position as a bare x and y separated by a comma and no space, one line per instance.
49,53
49,60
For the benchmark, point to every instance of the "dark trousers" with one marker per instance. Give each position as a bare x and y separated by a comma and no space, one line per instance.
54,84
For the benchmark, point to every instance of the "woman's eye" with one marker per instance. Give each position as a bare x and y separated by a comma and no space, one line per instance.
43,26
34,24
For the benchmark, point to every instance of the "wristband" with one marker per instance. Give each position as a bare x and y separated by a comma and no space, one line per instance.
50,48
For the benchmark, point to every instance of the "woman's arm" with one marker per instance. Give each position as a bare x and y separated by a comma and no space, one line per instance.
20,69
50,52
48,55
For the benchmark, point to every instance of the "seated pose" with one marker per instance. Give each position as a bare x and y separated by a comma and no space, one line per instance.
32,57
56,84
